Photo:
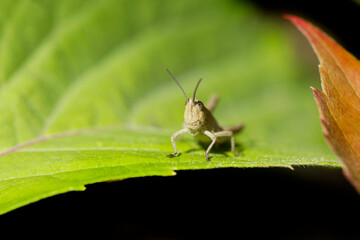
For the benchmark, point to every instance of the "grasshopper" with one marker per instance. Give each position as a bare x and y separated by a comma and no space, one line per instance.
201,124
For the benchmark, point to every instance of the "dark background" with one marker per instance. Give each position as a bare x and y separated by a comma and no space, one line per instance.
307,203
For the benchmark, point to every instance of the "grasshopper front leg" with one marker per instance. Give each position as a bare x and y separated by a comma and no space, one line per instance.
213,138
178,133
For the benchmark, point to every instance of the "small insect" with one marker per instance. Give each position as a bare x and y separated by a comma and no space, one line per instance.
200,123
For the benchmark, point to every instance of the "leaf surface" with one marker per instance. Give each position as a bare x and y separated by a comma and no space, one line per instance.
85,98
339,104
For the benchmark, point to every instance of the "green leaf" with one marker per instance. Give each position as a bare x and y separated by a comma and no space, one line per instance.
85,98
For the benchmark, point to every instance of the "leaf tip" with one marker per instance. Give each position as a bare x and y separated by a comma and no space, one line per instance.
288,16
305,27
291,167
313,89
315,92
294,19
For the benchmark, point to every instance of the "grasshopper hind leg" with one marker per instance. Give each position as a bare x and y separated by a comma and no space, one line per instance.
212,102
215,135
234,129
233,147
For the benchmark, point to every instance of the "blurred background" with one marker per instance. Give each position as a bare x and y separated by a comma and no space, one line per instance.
307,203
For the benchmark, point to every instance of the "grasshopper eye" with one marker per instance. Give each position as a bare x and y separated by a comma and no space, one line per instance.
201,105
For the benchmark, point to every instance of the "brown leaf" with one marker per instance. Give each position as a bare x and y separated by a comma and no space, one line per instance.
339,103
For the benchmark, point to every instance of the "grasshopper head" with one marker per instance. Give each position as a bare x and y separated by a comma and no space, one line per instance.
194,115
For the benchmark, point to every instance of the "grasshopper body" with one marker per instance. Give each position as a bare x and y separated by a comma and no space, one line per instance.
200,123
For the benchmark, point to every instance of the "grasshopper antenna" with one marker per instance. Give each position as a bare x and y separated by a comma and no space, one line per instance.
197,85
177,83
